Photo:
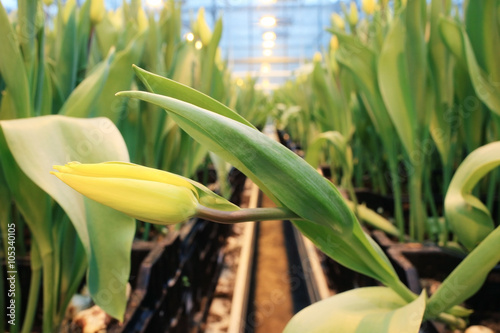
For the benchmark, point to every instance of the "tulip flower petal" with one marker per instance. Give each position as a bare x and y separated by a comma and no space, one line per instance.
205,197
148,201
124,170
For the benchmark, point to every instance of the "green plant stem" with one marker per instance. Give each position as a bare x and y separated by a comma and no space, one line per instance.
381,181
48,299
396,190
447,174
145,234
451,321
333,175
350,190
432,204
417,207
402,290
491,190
71,290
20,224
245,215
36,278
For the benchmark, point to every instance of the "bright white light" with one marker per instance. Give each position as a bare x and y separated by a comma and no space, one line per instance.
154,3
269,35
268,44
268,21
265,68
267,2
267,52
189,37
198,45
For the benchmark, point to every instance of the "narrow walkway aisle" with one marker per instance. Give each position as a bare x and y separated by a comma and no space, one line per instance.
273,306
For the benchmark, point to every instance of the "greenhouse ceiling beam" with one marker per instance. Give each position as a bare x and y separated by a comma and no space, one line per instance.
258,60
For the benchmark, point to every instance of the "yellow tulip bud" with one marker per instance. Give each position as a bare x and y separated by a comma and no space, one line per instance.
97,11
116,18
203,28
144,193
317,57
48,2
353,14
142,20
68,8
334,43
338,21
368,6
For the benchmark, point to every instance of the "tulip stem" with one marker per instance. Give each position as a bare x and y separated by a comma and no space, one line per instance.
245,215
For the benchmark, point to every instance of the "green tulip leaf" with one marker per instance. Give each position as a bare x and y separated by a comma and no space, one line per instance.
468,277
334,115
12,66
163,86
468,216
394,83
39,143
485,86
288,179
362,310
120,77
67,57
336,140
361,63
481,24
374,219
85,95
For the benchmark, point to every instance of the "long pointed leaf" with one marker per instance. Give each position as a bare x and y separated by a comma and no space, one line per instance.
39,143
363,310
288,178
12,66
468,216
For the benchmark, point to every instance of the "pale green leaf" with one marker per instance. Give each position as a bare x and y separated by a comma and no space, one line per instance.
481,24
362,310
485,86
12,67
208,59
468,277
468,216
335,139
120,77
84,97
39,143
67,59
451,35
394,83
163,86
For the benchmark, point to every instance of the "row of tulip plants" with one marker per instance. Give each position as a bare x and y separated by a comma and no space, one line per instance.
400,97
58,79
406,97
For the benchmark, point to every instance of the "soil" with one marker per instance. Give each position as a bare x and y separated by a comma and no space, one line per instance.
273,306
219,313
